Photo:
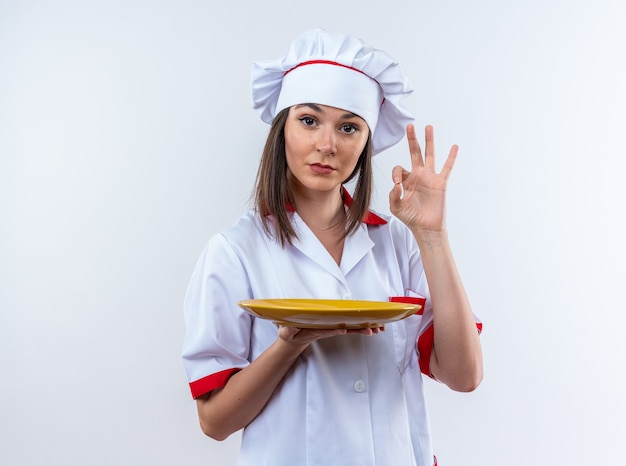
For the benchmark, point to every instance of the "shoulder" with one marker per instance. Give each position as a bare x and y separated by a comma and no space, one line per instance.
248,224
242,236
228,248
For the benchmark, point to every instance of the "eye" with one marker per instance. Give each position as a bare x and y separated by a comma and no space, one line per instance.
349,128
308,120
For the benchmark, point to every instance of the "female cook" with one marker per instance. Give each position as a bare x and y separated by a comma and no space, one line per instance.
331,397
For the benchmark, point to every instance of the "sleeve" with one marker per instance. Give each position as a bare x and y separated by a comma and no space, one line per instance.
217,330
416,291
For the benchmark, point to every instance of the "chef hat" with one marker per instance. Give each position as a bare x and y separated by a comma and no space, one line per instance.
340,71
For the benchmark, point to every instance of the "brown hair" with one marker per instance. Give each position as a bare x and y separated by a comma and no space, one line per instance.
273,192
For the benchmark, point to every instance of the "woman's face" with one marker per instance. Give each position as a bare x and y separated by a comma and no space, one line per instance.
322,145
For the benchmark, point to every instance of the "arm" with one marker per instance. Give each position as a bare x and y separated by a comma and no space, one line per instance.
218,337
418,200
228,409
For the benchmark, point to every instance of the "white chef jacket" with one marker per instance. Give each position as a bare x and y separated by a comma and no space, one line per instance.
348,400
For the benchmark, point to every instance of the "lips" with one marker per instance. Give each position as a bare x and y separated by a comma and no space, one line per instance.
321,169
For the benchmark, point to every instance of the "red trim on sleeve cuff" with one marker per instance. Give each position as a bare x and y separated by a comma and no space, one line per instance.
211,382
425,349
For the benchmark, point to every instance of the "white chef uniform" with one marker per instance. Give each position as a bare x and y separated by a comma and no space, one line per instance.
348,400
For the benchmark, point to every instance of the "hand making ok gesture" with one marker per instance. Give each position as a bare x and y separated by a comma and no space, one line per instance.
418,197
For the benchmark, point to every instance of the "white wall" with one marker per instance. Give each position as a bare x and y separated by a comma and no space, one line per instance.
127,138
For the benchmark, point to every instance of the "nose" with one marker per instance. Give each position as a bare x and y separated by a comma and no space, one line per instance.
327,141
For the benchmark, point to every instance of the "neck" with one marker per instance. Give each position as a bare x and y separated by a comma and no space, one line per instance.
325,215
321,211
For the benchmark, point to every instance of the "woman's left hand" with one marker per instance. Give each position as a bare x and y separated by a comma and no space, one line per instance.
418,197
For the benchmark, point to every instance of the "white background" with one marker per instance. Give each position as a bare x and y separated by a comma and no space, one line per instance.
127,138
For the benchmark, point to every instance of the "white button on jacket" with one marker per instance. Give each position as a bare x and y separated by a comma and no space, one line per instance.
359,386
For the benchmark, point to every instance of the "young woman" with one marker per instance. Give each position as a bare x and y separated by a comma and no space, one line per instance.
331,396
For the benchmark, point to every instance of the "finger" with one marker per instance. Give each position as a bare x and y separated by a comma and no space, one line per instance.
398,174
429,158
414,147
395,197
449,165
361,331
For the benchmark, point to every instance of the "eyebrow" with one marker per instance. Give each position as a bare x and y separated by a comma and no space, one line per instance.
319,109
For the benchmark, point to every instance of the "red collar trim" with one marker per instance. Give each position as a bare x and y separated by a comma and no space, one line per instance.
370,217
